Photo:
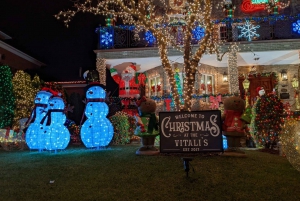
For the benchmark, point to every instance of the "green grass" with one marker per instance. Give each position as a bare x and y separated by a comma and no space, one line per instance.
117,173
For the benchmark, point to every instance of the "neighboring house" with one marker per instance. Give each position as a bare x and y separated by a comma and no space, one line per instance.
271,59
14,58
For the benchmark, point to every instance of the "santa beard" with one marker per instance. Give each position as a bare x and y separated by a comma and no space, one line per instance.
127,76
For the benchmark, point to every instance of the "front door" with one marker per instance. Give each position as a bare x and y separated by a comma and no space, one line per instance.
267,82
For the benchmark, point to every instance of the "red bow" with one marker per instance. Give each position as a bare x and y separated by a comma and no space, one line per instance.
168,102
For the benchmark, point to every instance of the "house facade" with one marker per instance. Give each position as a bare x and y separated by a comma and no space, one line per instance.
14,58
261,43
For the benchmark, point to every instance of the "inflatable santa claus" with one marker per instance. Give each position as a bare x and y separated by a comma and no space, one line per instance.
128,87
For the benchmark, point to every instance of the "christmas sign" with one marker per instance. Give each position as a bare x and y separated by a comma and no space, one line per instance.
190,132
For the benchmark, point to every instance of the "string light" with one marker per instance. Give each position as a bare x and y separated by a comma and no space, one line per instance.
25,90
101,68
290,140
7,99
97,131
144,16
232,68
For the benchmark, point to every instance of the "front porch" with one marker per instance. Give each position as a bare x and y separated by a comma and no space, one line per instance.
260,60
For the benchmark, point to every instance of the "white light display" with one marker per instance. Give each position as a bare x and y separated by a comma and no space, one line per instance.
97,131
248,30
34,134
56,135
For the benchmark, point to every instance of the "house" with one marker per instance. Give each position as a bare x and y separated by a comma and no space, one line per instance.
262,44
16,59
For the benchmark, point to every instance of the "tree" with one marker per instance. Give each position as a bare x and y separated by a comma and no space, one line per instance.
7,98
36,84
24,92
153,16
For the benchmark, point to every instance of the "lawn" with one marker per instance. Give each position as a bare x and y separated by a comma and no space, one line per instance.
117,173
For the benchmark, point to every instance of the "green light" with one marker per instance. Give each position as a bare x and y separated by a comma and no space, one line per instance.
261,1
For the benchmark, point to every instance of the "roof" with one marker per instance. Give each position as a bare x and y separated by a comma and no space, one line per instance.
20,53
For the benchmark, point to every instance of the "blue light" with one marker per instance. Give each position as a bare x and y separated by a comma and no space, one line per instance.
97,131
225,146
56,135
149,37
106,38
35,132
296,27
198,33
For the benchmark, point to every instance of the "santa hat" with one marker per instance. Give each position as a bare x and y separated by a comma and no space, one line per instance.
258,89
132,66
54,93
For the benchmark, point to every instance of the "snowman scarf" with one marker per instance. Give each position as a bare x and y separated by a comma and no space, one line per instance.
48,116
33,113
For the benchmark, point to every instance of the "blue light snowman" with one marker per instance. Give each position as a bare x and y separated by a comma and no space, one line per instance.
56,135
97,131
34,134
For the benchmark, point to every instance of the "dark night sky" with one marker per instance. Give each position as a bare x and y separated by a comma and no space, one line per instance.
36,32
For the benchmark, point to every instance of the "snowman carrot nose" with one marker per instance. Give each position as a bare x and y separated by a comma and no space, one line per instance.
90,92
51,104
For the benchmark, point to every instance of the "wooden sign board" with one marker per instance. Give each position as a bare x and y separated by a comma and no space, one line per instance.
190,132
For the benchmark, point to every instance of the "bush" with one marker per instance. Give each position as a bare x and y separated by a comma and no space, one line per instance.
121,126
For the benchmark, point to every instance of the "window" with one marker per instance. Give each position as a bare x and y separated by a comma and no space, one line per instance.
226,32
155,86
206,84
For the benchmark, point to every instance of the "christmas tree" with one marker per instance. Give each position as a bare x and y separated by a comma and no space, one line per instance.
24,93
7,98
178,84
178,81
267,119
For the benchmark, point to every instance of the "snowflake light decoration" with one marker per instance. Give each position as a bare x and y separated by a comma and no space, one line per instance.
106,38
149,37
296,26
198,33
248,30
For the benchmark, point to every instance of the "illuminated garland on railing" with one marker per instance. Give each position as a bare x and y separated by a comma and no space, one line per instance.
164,97
226,20
257,19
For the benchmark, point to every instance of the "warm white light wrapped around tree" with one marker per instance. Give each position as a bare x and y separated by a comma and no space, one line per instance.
144,15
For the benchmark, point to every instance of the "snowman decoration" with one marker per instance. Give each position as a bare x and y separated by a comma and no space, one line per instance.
97,131
34,134
56,135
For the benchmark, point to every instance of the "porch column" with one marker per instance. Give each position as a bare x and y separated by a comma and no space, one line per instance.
101,68
233,70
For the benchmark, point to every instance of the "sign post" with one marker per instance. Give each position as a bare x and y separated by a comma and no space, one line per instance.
190,132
